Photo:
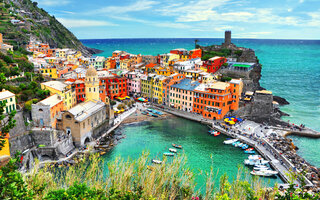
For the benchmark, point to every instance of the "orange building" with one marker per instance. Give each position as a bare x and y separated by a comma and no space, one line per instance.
195,53
172,79
150,67
5,151
215,100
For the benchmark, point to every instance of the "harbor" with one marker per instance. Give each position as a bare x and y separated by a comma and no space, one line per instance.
256,139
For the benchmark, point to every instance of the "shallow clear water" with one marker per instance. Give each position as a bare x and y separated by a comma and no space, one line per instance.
291,69
158,135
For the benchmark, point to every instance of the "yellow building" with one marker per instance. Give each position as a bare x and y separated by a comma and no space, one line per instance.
184,57
157,89
5,151
192,74
147,85
64,90
125,64
50,72
10,99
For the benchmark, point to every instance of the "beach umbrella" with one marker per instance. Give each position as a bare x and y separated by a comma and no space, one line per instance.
231,122
226,119
235,119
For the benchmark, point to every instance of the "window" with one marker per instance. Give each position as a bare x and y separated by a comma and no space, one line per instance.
68,117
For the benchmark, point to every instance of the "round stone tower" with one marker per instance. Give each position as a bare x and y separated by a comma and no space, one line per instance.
92,84
227,37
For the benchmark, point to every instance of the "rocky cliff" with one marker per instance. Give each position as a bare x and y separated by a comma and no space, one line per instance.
32,21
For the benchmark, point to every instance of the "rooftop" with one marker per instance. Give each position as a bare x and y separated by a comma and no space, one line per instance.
263,92
51,101
6,94
186,84
86,109
55,85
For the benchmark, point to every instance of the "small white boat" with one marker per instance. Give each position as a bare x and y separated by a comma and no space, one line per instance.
260,167
156,161
173,150
255,162
264,173
230,141
254,157
168,154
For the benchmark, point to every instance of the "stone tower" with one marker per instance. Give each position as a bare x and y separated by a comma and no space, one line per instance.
227,38
92,84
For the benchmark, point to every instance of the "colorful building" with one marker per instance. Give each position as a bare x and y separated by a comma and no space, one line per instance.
5,151
171,80
215,100
146,85
181,94
65,91
10,99
195,53
213,64
133,84
157,89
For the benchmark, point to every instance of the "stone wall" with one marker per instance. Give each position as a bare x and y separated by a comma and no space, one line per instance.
262,106
102,128
21,143
41,112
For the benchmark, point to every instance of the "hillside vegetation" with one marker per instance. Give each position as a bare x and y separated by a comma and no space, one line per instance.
36,23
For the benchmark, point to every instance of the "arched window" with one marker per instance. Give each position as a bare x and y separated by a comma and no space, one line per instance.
40,110
68,117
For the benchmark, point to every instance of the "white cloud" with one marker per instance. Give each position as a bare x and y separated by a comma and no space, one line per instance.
301,1
75,23
135,7
171,25
53,2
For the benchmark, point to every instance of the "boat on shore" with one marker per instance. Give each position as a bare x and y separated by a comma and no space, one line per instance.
230,141
168,154
156,161
173,150
264,173
177,146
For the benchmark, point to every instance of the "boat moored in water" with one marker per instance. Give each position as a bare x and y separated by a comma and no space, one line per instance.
250,152
230,141
168,154
173,150
177,146
264,173
156,161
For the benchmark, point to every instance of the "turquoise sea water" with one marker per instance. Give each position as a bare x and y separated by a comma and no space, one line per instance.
291,69
158,135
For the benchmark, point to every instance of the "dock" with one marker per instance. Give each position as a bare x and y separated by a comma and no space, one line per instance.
275,158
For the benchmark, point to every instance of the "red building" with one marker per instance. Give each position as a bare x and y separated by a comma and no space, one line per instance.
179,51
195,53
214,64
124,56
112,86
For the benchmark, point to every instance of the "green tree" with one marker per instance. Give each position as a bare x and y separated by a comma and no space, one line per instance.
7,122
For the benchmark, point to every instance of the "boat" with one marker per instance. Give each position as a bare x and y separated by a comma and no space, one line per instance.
216,134
230,141
156,161
245,146
236,143
249,149
144,112
255,162
255,157
250,152
239,144
177,146
173,150
152,114
264,173
260,167
168,154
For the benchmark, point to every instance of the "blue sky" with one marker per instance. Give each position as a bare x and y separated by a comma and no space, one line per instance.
274,19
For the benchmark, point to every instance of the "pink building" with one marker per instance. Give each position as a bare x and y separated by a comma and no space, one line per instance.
133,84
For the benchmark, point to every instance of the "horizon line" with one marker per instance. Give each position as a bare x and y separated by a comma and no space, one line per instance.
196,38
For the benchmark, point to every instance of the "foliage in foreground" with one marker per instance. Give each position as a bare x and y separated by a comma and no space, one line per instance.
130,179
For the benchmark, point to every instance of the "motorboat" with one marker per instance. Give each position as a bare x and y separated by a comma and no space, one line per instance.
245,146
230,141
168,154
177,146
255,157
264,173
255,161
260,167
216,134
156,161
250,152
236,143
173,150
249,149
